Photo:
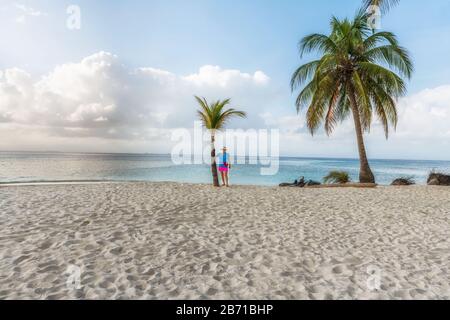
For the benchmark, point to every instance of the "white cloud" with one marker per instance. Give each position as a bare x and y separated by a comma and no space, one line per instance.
21,19
100,97
423,132
214,76
100,104
25,12
426,114
291,124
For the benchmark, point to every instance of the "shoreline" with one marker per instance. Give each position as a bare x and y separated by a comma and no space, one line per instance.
130,182
56,182
89,182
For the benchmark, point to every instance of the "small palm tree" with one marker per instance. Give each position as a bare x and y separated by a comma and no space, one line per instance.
353,76
214,117
337,177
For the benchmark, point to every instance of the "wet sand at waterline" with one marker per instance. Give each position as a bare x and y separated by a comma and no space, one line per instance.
180,241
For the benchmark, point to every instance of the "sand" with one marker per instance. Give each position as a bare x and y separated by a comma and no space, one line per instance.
179,241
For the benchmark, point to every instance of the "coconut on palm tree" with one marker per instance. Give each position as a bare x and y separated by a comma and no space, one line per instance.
359,73
214,116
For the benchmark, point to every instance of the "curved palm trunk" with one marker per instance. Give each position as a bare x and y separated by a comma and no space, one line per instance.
365,173
213,162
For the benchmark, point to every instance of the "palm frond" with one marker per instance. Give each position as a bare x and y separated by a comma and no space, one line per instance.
214,116
303,73
331,118
395,57
316,42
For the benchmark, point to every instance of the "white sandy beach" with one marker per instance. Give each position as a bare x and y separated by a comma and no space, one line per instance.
175,241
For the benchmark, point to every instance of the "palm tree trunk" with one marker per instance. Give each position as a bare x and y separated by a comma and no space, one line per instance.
365,173
213,162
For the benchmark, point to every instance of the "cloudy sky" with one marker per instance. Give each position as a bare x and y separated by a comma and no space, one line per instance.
126,78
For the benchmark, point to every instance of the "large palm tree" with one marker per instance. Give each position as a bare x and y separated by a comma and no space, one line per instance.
359,73
214,116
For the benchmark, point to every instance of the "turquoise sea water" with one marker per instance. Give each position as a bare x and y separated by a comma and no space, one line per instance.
49,167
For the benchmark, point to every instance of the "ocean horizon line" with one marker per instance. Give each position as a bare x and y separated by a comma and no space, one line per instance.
282,157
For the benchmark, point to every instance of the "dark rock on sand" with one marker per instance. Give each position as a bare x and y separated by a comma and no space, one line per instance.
403,182
286,185
301,183
297,183
438,179
312,183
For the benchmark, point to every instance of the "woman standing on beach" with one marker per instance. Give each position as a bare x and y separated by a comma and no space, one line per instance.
224,166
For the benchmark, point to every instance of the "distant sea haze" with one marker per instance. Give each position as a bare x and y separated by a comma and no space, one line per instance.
51,167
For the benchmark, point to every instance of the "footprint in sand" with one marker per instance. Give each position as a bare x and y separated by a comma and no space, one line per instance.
338,270
116,251
20,259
